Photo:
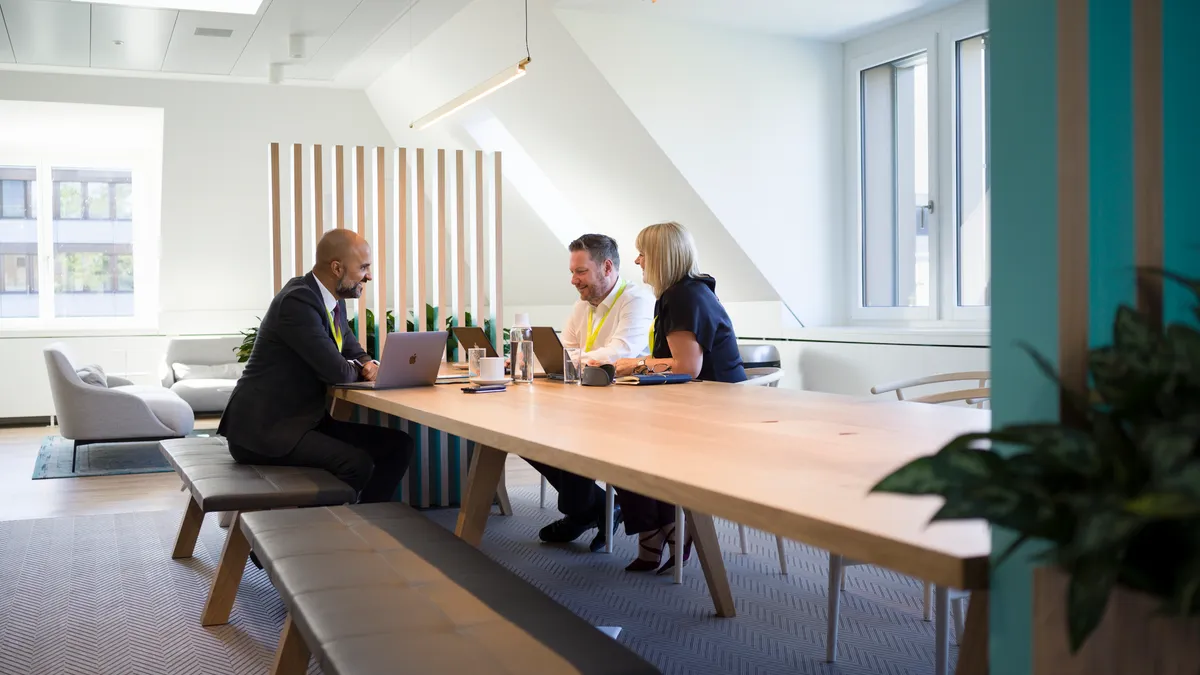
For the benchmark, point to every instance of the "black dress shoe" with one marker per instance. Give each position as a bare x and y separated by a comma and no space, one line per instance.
564,530
602,536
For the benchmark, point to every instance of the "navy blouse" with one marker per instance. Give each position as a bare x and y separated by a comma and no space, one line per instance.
691,305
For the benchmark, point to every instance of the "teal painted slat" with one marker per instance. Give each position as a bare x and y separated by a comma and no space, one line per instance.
1110,141
1024,143
417,468
1181,134
455,497
435,467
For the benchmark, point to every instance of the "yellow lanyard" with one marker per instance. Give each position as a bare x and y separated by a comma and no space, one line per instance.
593,333
652,335
335,329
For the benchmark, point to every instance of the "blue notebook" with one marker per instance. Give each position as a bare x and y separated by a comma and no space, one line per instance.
658,378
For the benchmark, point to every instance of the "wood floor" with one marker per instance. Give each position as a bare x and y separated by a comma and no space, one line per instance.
23,498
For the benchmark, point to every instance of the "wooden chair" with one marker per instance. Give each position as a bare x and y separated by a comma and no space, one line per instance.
975,395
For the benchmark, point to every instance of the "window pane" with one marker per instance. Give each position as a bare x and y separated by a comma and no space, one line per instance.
98,207
12,198
93,258
18,243
124,198
973,219
70,199
895,184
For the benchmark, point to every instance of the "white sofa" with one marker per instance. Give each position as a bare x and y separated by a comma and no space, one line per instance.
111,411
202,370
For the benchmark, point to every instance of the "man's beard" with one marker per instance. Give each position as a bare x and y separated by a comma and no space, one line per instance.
346,291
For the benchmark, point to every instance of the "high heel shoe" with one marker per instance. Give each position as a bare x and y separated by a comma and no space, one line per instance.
669,566
646,564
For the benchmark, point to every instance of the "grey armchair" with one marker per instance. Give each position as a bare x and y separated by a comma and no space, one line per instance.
89,413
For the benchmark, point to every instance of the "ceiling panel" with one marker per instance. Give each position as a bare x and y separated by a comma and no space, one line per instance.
316,20
191,53
143,35
44,32
368,21
6,52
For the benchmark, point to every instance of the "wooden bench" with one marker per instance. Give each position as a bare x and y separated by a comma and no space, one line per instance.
379,588
218,483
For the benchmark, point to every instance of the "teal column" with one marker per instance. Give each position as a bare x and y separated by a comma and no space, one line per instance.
1110,165
1024,174
1181,133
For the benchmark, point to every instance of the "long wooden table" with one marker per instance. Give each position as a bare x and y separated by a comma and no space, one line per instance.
793,463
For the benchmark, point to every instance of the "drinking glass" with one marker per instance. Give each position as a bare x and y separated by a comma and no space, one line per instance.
572,364
473,356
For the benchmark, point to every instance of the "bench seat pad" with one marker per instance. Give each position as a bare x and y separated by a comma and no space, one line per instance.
379,588
218,483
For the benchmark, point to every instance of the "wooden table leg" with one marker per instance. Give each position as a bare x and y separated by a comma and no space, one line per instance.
708,549
341,410
189,530
228,577
973,653
487,466
291,658
502,499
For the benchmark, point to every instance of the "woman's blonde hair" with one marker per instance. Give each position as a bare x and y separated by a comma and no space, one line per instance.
668,255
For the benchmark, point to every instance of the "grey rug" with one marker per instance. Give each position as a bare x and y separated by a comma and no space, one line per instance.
100,595
101,459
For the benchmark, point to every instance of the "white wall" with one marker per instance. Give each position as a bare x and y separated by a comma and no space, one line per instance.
215,246
577,132
753,122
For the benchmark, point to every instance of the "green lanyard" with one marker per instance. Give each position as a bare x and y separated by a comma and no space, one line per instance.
335,329
593,333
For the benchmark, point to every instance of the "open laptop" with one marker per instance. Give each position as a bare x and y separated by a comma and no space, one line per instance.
409,360
549,351
470,337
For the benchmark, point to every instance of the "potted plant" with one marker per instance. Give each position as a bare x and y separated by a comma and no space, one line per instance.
1112,493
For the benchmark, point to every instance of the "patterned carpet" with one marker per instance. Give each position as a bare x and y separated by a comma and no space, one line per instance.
100,595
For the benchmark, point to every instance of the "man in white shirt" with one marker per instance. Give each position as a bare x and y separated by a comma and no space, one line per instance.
611,321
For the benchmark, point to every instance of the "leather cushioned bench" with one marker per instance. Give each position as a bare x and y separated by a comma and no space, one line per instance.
218,483
379,588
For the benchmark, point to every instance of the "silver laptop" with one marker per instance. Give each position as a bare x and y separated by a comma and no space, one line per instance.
409,360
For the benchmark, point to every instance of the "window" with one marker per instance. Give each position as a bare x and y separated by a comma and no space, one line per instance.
921,258
78,218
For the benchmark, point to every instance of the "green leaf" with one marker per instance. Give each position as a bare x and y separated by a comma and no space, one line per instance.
1185,481
993,503
1092,581
1167,446
918,477
1070,448
1100,530
1134,333
1164,506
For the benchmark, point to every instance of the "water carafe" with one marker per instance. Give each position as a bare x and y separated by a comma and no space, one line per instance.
521,349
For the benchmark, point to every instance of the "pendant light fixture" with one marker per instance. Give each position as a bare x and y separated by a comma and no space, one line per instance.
480,90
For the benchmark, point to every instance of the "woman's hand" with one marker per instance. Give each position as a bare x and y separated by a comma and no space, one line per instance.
625,366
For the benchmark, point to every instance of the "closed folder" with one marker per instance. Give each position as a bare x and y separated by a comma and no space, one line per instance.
658,378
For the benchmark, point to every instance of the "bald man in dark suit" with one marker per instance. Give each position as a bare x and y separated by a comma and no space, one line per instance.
279,410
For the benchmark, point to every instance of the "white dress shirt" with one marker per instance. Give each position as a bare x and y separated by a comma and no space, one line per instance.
625,333
330,303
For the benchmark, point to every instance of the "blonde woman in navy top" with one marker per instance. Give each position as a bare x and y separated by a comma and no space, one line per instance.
692,334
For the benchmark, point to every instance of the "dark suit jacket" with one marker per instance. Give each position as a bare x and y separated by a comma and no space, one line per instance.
282,393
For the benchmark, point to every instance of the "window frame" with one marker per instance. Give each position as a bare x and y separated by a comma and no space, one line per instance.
948,69
940,44
898,51
145,171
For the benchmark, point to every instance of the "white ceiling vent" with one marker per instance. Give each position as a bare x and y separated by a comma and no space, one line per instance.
214,32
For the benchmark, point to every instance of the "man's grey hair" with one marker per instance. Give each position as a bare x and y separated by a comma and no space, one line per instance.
599,247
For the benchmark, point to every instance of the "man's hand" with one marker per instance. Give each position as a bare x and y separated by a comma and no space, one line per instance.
369,371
